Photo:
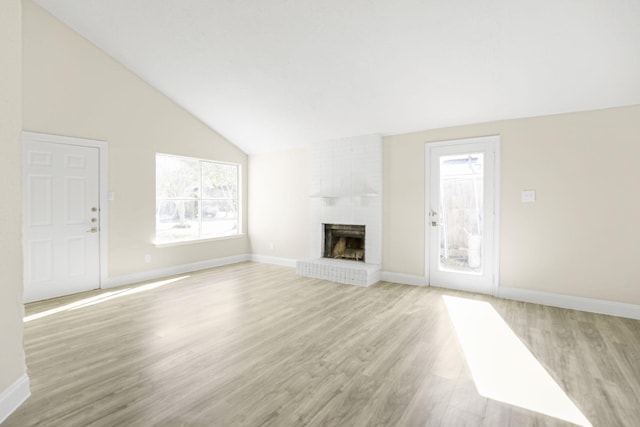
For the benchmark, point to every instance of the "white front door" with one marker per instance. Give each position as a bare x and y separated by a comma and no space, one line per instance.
461,214
61,229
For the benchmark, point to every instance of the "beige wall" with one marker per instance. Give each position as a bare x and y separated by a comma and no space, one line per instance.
72,88
580,238
12,365
279,204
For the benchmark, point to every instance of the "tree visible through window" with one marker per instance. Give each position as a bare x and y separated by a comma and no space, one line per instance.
195,199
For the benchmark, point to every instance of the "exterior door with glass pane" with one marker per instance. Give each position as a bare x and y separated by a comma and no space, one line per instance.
461,214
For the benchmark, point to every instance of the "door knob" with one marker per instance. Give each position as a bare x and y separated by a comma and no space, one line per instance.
434,218
93,230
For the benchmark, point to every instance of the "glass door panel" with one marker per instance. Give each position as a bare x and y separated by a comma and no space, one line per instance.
461,213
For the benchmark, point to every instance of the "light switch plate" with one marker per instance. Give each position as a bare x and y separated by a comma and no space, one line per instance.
528,196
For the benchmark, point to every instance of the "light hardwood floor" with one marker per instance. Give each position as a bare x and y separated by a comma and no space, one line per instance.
254,344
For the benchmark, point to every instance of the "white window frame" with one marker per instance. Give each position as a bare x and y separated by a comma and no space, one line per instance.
200,199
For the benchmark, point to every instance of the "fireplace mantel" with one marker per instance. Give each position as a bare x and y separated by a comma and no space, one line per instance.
343,196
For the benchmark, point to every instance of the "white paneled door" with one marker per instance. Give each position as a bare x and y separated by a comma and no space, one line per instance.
61,221
462,214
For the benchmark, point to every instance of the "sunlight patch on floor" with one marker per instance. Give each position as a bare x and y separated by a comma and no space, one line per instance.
502,367
97,299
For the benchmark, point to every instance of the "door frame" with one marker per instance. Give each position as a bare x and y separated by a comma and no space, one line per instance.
103,181
495,140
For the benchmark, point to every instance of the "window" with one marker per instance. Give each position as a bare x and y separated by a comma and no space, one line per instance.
196,199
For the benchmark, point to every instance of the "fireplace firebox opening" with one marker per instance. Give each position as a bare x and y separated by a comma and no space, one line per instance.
343,241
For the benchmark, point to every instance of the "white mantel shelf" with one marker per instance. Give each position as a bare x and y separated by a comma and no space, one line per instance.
345,195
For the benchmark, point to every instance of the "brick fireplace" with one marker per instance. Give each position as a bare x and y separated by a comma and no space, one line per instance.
346,211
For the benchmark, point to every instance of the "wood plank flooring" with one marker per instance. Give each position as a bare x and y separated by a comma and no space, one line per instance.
255,345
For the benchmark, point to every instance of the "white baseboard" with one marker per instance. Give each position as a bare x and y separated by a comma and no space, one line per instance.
591,305
285,262
128,279
14,396
611,308
405,279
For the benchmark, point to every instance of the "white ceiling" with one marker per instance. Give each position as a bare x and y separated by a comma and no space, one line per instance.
274,74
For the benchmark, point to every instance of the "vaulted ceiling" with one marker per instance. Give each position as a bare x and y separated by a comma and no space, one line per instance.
274,74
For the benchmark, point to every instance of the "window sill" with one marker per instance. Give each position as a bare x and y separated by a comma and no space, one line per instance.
195,241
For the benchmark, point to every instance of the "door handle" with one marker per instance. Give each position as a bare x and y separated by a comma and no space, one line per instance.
93,230
434,218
